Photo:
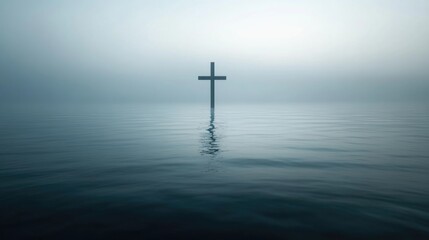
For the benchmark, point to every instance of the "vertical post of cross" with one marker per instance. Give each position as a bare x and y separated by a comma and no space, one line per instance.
212,86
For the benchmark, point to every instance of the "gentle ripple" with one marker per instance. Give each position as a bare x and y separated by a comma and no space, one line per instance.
297,171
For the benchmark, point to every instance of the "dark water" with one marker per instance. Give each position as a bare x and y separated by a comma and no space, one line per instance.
252,172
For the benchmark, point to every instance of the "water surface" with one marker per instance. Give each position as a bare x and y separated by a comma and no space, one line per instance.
301,171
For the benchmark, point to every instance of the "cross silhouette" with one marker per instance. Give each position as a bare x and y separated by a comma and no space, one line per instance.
212,79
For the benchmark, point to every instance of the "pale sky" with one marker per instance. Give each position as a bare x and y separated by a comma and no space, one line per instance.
144,51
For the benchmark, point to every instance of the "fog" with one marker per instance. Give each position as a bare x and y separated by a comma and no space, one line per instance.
271,51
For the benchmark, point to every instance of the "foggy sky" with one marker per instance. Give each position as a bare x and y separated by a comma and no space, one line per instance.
153,51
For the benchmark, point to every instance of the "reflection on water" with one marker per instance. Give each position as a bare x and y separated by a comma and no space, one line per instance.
210,145
209,140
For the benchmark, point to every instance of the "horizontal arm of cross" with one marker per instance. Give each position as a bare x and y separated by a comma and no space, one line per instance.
210,78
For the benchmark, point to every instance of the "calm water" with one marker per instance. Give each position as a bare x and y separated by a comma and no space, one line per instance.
251,172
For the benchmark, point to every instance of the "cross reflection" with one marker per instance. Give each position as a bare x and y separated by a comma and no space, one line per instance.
210,144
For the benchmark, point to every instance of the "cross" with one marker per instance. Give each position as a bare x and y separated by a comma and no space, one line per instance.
212,79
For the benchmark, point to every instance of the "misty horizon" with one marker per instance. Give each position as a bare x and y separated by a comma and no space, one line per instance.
275,51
